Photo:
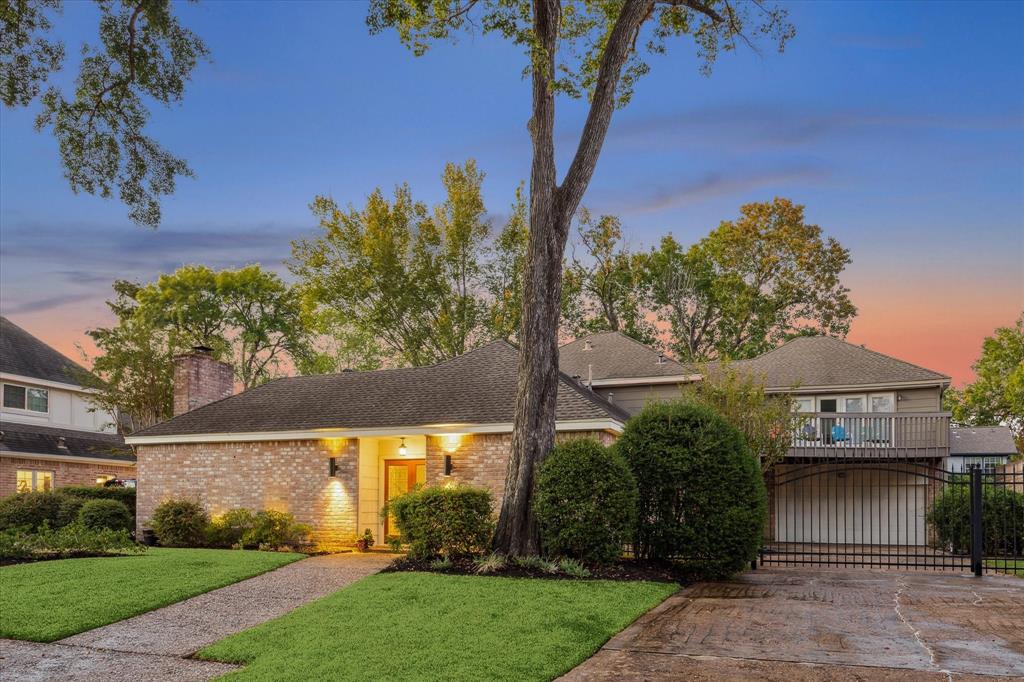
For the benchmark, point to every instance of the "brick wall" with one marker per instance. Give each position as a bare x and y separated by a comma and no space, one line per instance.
65,473
290,476
481,460
199,380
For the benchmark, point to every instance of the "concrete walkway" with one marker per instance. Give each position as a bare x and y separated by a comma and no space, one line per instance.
158,642
792,625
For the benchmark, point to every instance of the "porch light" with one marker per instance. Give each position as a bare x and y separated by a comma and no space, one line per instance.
332,467
402,450
451,442
448,465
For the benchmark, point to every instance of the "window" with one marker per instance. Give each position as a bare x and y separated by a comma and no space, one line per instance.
23,398
39,481
883,402
853,404
804,404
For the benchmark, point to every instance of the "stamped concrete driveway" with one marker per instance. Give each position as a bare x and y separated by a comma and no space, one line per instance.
795,624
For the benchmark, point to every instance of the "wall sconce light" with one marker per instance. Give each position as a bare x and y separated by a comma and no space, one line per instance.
448,465
332,467
451,442
402,450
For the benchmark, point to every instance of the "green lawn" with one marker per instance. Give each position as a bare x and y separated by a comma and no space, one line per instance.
1011,566
49,600
407,626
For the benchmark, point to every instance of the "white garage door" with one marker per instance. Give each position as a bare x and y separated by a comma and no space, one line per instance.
860,504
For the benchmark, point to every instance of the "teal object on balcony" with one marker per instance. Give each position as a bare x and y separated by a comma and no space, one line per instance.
838,433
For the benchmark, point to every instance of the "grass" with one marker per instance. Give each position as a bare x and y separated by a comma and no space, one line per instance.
49,600
408,626
1011,566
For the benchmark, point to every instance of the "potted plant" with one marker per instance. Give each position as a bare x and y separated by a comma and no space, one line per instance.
365,542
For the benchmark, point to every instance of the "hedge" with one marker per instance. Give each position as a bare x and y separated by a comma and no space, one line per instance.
446,521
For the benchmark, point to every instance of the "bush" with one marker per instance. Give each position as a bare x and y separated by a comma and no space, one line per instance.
124,495
29,511
97,514
951,517
585,502
702,499
180,523
74,540
69,508
447,521
274,529
227,529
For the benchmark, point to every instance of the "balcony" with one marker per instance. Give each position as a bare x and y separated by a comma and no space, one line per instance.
839,435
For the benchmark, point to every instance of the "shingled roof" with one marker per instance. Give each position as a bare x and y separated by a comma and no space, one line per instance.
29,439
812,361
981,440
476,388
613,355
25,355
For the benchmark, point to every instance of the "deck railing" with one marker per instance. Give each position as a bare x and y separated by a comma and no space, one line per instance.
870,433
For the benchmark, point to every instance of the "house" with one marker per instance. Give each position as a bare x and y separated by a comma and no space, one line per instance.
50,436
979,446
331,449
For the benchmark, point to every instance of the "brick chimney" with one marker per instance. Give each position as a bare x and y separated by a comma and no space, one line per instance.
200,379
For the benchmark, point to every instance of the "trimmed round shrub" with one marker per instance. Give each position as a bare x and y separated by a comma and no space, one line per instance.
702,500
180,523
1002,519
585,502
28,511
273,529
227,529
122,494
445,521
98,514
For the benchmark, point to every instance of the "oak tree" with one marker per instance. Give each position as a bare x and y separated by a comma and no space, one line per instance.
582,48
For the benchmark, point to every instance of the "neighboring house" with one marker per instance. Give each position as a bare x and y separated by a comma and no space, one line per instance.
979,446
331,449
49,436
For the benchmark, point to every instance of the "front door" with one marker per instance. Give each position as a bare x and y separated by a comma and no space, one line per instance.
401,476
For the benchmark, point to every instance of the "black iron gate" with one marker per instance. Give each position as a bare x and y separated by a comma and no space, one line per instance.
895,512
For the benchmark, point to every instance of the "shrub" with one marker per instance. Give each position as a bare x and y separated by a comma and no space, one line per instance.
228,529
702,499
180,523
28,511
274,529
573,568
585,502
442,564
69,508
97,514
951,517
122,494
73,540
536,563
447,521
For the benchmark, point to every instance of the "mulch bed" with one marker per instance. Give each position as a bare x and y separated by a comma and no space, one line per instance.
624,570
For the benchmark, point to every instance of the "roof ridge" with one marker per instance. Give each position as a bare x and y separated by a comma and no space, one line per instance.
629,338
589,394
887,357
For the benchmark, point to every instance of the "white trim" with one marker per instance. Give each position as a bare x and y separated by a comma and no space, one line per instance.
613,425
857,387
640,381
18,378
64,458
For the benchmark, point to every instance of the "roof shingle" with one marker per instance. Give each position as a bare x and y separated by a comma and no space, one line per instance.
476,388
613,355
44,440
25,355
981,440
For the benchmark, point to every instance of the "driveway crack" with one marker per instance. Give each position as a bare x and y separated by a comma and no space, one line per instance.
898,608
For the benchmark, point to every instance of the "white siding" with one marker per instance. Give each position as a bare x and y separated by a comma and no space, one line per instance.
633,398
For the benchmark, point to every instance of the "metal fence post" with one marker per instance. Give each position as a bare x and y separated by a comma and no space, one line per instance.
977,528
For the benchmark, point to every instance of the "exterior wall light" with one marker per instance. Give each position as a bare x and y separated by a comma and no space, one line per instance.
448,465
332,467
451,442
402,450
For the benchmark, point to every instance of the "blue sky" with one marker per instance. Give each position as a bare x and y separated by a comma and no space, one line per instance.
899,125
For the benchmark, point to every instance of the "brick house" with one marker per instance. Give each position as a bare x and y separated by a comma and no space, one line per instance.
330,449
50,435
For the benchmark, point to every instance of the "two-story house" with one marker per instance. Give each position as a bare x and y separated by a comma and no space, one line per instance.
50,435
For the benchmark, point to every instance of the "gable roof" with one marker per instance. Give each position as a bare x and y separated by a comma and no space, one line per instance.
981,440
29,439
613,355
476,388
822,361
25,355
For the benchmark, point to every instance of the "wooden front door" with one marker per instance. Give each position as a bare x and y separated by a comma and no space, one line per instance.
401,476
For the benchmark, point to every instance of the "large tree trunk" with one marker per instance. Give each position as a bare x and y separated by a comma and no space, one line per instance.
551,209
